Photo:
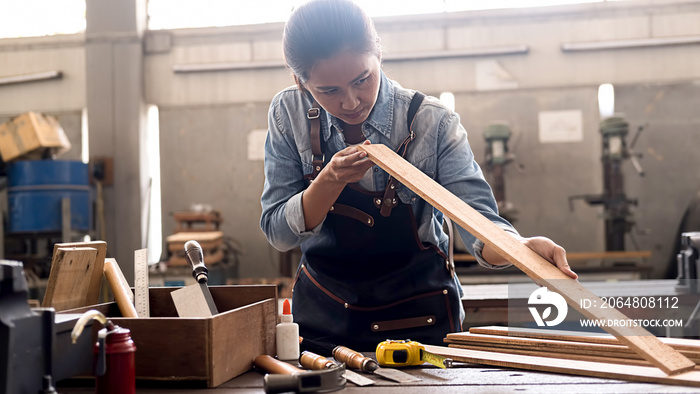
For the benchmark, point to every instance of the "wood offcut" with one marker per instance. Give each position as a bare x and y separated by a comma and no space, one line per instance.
95,281
69,279
536,267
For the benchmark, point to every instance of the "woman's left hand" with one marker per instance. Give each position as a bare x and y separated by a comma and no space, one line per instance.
551,252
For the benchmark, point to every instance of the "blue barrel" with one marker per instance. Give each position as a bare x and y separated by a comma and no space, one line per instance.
36,188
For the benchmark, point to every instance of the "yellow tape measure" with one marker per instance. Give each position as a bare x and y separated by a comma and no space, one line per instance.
403,353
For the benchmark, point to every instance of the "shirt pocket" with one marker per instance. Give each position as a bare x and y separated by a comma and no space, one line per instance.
306,161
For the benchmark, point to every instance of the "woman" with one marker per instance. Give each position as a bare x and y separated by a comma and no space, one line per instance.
373,253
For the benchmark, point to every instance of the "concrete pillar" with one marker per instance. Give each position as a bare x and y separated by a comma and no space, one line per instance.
116,118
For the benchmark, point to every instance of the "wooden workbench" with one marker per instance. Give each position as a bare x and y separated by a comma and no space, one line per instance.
462,378
481,301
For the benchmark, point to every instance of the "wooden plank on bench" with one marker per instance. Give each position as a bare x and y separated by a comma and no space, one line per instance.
536,267
679,344
596,369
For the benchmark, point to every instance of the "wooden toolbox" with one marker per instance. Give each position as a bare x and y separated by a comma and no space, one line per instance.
214,349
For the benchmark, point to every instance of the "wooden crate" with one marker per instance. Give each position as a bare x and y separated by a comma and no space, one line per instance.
197,221
214,349
210,241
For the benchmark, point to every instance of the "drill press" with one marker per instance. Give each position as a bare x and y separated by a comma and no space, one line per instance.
497,135
617,212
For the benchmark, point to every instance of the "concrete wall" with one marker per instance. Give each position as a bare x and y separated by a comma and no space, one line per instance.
207,117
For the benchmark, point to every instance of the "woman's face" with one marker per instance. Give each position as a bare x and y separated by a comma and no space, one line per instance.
346,85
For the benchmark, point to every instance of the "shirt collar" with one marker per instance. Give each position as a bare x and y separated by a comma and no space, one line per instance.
382,116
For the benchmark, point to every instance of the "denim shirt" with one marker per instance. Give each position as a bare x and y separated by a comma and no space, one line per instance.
440,150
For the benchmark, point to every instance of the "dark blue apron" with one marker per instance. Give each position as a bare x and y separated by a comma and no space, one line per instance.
369,278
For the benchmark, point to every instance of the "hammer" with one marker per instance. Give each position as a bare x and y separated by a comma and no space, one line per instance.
283,377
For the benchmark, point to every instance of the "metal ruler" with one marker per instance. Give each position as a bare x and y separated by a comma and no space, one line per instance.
141,283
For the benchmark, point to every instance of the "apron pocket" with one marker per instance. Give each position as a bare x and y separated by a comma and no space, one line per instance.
426,317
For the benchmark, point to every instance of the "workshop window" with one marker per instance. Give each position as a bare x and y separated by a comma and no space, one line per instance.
154,233
174,14
34,18
448,98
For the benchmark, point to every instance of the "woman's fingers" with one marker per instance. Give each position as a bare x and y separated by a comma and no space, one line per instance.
552,252
561,262
349,165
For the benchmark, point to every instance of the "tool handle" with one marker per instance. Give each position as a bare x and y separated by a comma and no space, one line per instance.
272,365
354,359
195,257
274,383
313,361
121,290
319,347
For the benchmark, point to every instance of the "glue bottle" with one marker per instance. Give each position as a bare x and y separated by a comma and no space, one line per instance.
287,335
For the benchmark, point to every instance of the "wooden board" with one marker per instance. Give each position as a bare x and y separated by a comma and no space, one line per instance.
93,295
551,345
190,301
572,367
679,344
201,237
69,279
551,354
536,267
625,255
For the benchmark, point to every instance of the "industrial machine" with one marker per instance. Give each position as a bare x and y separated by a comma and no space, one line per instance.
616,204
498,156
35,347
26,336
688,267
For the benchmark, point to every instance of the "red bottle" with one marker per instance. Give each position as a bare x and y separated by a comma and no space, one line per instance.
115,367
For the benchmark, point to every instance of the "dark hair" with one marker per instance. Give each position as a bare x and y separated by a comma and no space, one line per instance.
319,29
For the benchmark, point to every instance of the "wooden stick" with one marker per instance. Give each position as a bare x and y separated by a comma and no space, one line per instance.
572,367
120,288
551,345
679,344
536,267
559,355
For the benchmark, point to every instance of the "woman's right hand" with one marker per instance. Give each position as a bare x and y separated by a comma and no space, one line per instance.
347,166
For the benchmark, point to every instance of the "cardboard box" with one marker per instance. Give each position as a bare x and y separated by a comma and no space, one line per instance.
214,349
32,134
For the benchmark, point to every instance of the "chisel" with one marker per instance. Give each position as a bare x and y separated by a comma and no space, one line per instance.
355,360
195,256
313,361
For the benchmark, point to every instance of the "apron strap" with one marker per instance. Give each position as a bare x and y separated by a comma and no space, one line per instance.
389,201
314,116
